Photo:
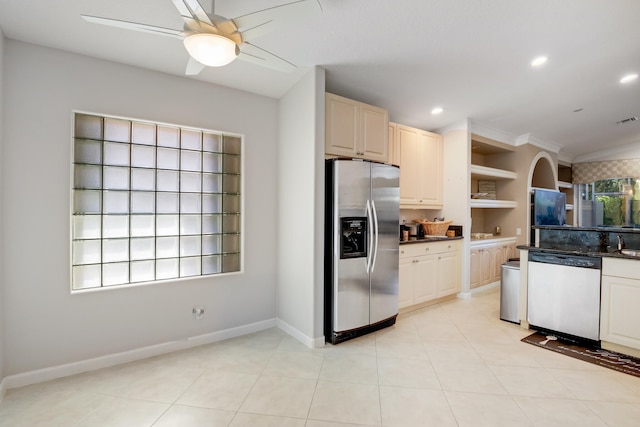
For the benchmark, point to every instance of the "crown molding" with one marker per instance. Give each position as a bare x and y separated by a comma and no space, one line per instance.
507,138
566,159
615,153
492,133
545,144
460,125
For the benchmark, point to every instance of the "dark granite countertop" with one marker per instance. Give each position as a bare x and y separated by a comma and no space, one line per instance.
587,241
430,239
605,229
572,251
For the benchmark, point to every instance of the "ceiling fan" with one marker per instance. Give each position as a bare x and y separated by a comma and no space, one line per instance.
214,41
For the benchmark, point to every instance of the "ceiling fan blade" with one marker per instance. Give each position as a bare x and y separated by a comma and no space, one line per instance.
194,67
254,25
191,9
252,53
135,26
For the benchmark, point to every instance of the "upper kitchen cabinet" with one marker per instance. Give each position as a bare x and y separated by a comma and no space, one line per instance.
394,146
355,129
490,173
421,169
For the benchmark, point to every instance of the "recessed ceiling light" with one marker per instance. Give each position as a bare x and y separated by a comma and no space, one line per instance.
437,110
628,78
540,60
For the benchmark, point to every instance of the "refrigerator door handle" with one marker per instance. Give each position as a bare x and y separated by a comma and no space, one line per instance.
375,234
370,239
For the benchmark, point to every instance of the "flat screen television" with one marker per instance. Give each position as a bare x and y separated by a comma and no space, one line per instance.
549,207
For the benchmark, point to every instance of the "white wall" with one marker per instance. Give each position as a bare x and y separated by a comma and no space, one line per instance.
457,183
301,185
45,325
2,309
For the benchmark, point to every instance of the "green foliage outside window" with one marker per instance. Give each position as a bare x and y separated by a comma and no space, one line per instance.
620,198
614,209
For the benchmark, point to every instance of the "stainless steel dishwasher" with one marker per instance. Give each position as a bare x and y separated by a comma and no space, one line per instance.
564,294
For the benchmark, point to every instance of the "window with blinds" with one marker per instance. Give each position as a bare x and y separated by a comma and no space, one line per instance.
153,202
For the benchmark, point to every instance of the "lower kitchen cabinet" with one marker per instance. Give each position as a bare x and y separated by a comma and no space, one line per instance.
428,271
486,259
448,274
619,314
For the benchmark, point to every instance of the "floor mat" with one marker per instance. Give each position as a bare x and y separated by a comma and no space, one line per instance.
608,359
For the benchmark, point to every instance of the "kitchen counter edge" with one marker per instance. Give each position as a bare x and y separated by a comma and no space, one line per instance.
580,253
431,240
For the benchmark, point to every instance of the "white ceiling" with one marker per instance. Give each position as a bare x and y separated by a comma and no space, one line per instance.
469,56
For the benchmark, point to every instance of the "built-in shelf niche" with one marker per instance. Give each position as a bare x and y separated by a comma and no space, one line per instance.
491,160
565,185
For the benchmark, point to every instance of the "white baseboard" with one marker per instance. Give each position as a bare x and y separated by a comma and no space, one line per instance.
463,295
304,339
54,372
231,333
480,289
485,288
3,389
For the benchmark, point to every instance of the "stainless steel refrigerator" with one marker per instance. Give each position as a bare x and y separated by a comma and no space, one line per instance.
362,210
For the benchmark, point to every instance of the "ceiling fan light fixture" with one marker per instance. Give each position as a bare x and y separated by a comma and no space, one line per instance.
212,50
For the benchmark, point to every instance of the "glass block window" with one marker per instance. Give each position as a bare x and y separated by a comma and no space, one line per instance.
152,202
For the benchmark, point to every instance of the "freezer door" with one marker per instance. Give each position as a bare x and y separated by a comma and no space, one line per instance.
385,196
352,188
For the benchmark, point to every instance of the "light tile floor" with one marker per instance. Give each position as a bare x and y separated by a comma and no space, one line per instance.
452,364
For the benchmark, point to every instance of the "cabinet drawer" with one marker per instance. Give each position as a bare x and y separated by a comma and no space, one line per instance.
621,267
418,249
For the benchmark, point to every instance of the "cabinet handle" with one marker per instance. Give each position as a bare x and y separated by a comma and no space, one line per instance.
401,252
426,249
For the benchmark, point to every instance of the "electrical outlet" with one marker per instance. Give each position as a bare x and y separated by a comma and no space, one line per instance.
198,312
518,231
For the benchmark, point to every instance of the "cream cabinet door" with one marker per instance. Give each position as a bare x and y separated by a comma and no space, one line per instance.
410,173
405,282
498,260
448,274
421,172
514,252
431,154
507,252
475,278
375,133
341,128
620,316
425,278
355,129
486,266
